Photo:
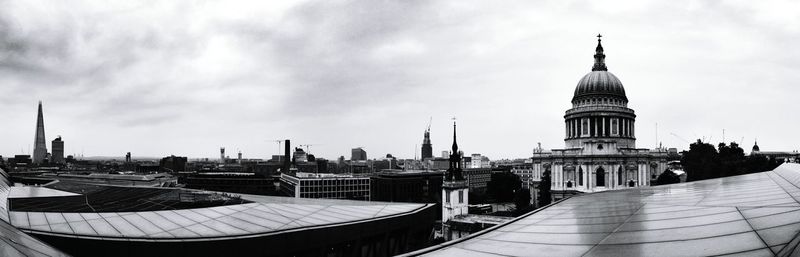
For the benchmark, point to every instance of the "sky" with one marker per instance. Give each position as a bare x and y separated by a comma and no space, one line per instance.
158,78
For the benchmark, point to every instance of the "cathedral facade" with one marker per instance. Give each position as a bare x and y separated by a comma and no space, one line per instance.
600,145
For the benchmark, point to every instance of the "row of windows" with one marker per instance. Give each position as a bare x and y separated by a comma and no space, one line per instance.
601,101
599,126
333,188
600,179
335,182
338,195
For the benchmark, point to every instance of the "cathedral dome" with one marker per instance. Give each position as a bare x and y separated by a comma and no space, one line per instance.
599,83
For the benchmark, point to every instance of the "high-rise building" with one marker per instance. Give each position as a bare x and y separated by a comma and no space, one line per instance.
40,145
58,151
358,154
222,155
427,148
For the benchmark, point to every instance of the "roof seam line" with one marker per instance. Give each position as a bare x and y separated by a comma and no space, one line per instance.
782,188
754,231
615,230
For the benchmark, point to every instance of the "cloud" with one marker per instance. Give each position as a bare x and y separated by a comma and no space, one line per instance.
187,77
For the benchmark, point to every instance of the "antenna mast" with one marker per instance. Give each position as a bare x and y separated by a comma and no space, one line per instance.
656,134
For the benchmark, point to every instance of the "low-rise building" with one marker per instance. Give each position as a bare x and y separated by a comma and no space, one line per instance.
478,179
323,185
413,186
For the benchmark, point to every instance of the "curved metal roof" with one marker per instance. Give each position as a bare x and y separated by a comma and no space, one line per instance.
242,220
748,215
13,242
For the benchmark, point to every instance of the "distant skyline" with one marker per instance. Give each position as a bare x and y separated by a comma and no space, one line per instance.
157,78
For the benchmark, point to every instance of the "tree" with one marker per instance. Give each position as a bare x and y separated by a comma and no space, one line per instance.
668,177
502,186
544,189
731,160
699,161
522,200
703,161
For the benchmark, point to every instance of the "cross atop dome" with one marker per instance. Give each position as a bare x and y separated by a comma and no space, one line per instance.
599,57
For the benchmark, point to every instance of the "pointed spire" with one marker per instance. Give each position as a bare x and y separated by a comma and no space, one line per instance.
455,145
40,145
454,172
599,57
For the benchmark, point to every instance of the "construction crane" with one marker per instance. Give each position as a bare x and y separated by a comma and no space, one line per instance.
429,124
307,146
684,140
279,141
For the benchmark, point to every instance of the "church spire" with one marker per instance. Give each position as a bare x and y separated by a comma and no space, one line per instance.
454,172
455,145
599,57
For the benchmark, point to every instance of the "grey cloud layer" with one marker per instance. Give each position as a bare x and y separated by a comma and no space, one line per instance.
370,73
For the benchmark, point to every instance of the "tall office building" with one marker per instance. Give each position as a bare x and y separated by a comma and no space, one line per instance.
358,154
427,148
40,145
58,151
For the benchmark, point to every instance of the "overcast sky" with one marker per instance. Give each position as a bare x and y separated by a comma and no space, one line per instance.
185,77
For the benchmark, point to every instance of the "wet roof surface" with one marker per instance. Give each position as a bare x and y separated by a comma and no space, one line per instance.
749,215
30,192
260,215
98,198
14,242
263,215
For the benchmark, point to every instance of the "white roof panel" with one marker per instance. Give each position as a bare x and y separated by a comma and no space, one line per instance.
750,215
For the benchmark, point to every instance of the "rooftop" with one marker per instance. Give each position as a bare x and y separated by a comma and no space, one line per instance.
749,215
138,213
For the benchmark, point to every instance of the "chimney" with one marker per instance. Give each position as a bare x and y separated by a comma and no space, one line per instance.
286,157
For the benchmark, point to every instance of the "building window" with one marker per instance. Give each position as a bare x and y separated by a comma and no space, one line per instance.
460,196
585,127
447,197
614,127
580,176
601,177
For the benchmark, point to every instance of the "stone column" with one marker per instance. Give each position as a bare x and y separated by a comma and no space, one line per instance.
604,126
613,178
558,177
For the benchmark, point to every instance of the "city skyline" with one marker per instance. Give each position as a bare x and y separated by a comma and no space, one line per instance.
243,76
